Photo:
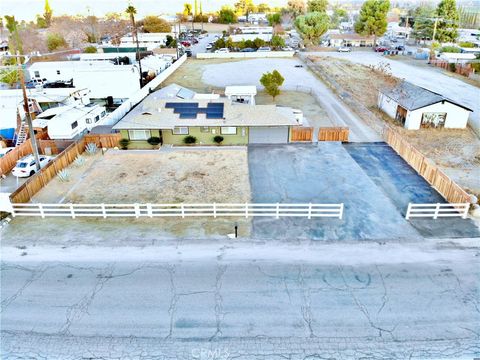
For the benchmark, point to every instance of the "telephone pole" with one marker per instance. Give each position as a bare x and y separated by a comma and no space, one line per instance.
26,107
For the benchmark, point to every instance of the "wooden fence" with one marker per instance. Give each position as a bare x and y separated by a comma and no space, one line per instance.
8,161
300,133
104,140
333,134
178,210
462,69
452,192
33,185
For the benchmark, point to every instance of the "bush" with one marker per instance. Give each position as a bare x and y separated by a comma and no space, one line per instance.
90,50
56,41
124,143
466,44
154,140
218,139
190,139
452,67
450,49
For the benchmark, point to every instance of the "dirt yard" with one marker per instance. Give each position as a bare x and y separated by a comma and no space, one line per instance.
457,152
168,176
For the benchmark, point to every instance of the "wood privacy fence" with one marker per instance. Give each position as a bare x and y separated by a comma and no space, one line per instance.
33,185
462,69
333,134
179,210
104,140
437,210
8,161
452,192
300,133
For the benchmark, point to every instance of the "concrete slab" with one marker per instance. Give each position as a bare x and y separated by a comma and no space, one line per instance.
401,183
323,173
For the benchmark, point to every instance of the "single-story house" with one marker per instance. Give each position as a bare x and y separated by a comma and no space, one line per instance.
416,107
457,58
350,39
174,118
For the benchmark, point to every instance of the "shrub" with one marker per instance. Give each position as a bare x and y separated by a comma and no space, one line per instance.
218,139
450,49
124,143
56,41
452,67
154,140
190,139
90,50
466,44
91,148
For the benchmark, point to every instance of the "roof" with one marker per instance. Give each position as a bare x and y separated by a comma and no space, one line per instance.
154,114
350,36
241,90
413,97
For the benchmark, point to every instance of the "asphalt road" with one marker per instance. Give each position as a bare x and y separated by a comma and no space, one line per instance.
242,301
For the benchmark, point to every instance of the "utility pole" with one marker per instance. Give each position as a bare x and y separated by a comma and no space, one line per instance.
138,55
26,107
434,29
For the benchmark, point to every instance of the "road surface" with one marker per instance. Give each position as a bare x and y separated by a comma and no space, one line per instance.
242,301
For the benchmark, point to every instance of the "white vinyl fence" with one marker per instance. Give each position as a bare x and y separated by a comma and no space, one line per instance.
178,210
437,210
246,55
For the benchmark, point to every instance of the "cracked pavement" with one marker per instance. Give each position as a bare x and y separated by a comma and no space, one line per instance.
245,302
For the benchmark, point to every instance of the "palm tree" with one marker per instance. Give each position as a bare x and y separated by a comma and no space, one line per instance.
131,11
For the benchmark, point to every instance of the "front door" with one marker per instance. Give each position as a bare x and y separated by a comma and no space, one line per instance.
401,115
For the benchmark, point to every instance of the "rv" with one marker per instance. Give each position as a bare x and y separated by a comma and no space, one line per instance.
75,121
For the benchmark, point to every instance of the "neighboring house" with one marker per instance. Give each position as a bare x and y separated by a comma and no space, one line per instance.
147,40
395,31
185,113
416,107
350,39
245,33
456,58
469,35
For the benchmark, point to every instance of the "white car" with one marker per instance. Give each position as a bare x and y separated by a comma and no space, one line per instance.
264,49
26,166
5,151
344,49
288,48
222,51
209,46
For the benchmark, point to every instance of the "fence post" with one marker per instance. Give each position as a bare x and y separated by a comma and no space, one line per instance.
215,210
407,216
149,210
183,211
309,210
72,211
137,210
42,213
437,210
465,212
278,211
104,213
340,215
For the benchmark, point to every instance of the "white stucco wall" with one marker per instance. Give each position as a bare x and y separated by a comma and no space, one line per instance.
457,117
245,37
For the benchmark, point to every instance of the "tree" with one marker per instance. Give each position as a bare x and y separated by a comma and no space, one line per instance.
154,24
296,7
41,23
258,43
448,19
423,22
263,8
48,14
339,15
373,18
131,11
187,9
317,5
274,19
277,42
55,42
272,81
9,76
244,7
226,15
312,26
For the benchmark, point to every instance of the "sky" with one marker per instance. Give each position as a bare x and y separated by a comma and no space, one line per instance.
27,9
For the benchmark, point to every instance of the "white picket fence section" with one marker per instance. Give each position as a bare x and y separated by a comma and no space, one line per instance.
437,210
178,210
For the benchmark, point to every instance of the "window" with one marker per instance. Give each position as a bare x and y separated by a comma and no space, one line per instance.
204,129
37,74
97,118
74,125
183,130
139,134
228,130
88,121
104,113
58,72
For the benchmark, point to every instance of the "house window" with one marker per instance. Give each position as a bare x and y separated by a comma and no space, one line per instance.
139,134
97,118
229,130
58,72
88,121
204,129
180,130
74,125
37,74
104,113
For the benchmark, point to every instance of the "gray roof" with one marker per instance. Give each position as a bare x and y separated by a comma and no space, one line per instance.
413,97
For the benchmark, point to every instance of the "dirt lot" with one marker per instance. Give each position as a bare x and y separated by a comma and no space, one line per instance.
457,152
167,176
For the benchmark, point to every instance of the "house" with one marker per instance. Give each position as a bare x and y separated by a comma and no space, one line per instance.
147,40
416,107
245,33
470,36
178,113
350,39
457,58
395,31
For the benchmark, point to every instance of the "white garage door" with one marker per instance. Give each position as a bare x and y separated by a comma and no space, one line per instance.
268,135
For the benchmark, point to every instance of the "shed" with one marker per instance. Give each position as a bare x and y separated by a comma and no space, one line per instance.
416,107
242,94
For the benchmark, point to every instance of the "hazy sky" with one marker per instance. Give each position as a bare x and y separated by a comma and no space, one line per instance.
27,9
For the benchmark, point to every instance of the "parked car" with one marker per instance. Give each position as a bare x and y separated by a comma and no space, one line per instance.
344,49
222,51
209,46
5,151
248,50
26,166
400,48
288,48
381,49
195,41
186,43
188,52
264,49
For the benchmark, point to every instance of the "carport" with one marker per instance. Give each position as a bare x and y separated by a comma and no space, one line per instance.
268,135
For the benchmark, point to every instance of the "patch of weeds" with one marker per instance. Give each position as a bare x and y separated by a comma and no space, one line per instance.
21,247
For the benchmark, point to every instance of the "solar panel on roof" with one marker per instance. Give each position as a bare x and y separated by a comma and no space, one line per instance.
190,110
